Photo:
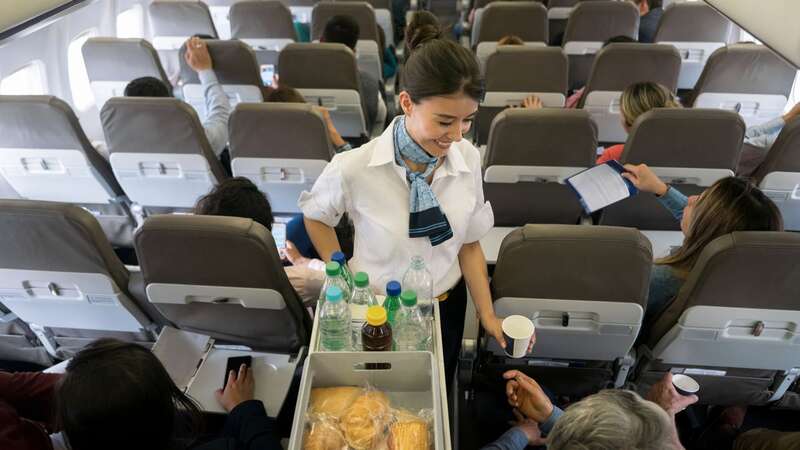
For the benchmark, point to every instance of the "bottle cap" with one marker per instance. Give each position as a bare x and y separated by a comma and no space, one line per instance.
339,258
408,298
393,288
361,279
376,315
332,269
333,294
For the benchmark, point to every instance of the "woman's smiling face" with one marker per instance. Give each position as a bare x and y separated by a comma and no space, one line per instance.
436,122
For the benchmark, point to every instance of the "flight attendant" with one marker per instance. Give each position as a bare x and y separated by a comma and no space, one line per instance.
417,190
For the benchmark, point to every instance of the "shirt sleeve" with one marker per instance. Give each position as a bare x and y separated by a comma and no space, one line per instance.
482,219
674,201
611,153
327,199
513,439
764,135
218,109
547,426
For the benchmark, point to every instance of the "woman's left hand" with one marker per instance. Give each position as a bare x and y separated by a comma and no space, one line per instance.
494,328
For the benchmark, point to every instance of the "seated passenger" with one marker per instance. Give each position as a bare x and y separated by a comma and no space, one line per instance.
574,99
510,40
760,139
650,12
636,100
117,395
217,104
239,197
344,30
731,204
389,57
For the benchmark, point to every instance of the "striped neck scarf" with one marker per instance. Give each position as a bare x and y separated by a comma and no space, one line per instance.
426,216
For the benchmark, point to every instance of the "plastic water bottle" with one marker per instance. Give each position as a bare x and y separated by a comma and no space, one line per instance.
333,277
419,279
362,294
392,301
346,274
411,330
334,322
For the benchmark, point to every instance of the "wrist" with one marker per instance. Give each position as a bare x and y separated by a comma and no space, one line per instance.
662,189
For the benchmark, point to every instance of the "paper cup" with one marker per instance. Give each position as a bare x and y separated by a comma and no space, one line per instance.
685,385
517,331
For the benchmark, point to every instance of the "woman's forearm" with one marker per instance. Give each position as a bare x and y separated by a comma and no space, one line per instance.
473,267
323,237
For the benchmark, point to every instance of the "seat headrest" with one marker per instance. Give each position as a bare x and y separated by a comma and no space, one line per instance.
113,59
692,22
784,156
527,20
361,12
234,63
619,65
520,68
181,18
296,63
380,4
602,20
574,262
40,121
261,19
746,69
683,137
543,137
278,130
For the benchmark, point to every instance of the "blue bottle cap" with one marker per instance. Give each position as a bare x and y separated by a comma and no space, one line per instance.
393,288
339,258
333,294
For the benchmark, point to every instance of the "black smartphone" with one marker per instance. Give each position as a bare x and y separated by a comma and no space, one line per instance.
234,363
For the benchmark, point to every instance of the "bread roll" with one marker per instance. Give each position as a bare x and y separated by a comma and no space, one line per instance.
409,436
365,420
324,436
333,401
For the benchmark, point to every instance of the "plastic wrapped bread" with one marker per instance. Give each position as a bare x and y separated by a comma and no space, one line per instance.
333,401
411,435
324,435
365,421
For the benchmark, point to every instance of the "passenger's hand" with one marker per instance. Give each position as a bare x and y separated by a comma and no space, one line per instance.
527,396
792,114
668,398
530,428
333,133
645,179
197,56
240,388
293,255
532,102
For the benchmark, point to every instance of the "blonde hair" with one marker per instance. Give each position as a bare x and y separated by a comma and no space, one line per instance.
639,98
510,40
731,204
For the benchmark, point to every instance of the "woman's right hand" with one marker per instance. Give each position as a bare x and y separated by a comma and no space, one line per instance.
645,179
241,387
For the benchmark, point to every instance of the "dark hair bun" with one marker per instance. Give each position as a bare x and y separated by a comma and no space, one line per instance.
424,34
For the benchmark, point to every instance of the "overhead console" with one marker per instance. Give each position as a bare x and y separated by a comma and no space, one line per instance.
16,16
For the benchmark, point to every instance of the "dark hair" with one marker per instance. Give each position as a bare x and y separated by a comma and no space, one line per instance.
284,94
439,66
341,30
418,20
118,395
621,39
236,197
147,87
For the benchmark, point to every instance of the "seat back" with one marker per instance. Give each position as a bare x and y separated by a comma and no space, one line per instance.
779,175
221,276
236,69
112,63
338,90
737,310
264,25
512,73
746,78
526,20
696,30
368,55
590,25
159,151
536,277
301,9
558,12
616,67
175,21
383,16
688,148
529,155
221,16
281,147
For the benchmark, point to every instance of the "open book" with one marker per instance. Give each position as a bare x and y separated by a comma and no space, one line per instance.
601,185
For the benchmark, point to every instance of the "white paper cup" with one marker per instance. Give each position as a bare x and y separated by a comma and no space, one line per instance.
685,385
518,331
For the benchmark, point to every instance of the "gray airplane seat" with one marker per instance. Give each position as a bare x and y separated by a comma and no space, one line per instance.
689,149
616,67
779,175
585,325
281,147
529,155
514,72
733,325
526,20
173,22
338,90
112,63
383,17
590,25
159,152
222,276
45,155
368,54
266,26
60,276
558,12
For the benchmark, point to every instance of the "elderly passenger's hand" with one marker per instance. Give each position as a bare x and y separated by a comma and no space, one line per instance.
197,56
668,398
527,396
240,388
530,428
645,179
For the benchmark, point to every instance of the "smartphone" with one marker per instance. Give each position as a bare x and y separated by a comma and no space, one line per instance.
234,363
267,73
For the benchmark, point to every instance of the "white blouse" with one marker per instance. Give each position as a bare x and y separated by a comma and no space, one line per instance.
372,188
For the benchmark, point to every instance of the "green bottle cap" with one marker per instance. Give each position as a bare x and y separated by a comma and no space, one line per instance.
332,269
361,279
408,298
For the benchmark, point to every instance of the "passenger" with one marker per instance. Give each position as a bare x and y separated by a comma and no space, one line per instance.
286,94
510,40
731,204
217,104
344,30
636,100
239,197
760,139
650,12
417,190
117,395
389,58
575,99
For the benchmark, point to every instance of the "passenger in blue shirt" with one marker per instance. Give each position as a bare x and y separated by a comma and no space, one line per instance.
650,12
